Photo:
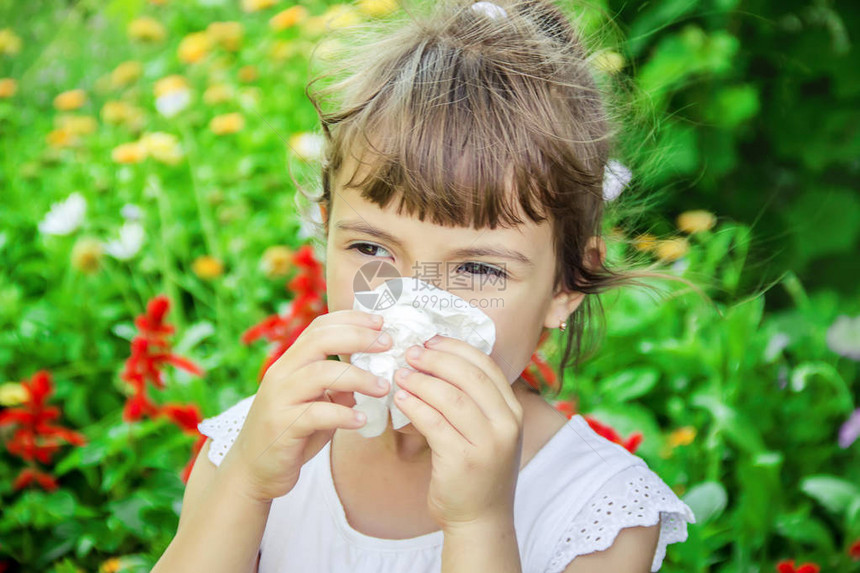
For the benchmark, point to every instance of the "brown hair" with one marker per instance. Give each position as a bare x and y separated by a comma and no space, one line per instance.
464,117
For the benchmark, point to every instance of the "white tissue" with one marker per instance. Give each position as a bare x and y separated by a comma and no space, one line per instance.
421,311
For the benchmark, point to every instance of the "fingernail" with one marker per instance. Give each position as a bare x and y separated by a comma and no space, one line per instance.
415,352
377,319
382,383
436,338
385,338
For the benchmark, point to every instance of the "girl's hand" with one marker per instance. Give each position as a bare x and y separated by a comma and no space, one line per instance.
463,404
302,399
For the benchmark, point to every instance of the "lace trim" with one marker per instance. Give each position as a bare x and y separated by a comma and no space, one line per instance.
224,428
633,497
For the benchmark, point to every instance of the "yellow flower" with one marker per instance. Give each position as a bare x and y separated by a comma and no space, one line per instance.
207,267
228,35
61,138
12,394
227,123
126,73
247,74
681,437
77,124
645,242
112,565
146,30
283,49
10,43
126,153
87,254
377,8
277,261
696,221
119,112
170,84
257,5
341,16
669,250
288,18
218,93
8,87
162,147
70,100
609,61
193,47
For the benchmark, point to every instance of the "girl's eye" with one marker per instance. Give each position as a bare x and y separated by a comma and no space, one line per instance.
359,246
484,270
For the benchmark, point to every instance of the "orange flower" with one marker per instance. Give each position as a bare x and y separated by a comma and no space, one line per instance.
207,267
228,35
61,138
247,74
669,250
70,100
87,255
126,153
288,18
8,87
112,565
119,112
126,73
193,47
227,123
170,84
146,30
680,437
696,221
277,261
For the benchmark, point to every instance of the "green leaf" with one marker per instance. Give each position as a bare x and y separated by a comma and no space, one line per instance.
802,527
628,384
835,494
708,500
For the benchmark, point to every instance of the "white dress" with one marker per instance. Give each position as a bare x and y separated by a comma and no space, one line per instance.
572,498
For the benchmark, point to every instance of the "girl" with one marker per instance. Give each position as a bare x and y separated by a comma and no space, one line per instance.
472,141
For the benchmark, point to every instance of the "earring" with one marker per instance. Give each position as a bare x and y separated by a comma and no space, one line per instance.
562,325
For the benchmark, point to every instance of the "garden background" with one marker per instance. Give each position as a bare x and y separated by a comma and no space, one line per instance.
152,261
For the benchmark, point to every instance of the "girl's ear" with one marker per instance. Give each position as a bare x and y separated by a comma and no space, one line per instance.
564,303
561,307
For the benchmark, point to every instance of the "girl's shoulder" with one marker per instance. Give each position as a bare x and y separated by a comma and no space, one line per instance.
597,488
223,428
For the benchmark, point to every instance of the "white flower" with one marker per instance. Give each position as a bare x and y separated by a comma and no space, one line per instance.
131,212
173,102
843,336
616,176
307,146
131,236
64,217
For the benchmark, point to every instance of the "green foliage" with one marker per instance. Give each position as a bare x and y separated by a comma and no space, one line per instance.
749,111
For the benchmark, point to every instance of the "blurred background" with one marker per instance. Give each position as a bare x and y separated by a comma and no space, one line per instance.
153,262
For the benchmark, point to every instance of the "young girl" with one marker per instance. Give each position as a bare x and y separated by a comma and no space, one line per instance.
471,141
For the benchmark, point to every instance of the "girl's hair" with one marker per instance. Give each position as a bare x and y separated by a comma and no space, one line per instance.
465,114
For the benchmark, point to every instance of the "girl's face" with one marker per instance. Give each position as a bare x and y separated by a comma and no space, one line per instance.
507,275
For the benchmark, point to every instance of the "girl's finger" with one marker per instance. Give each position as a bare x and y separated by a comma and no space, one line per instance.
456,406
463,374
483,361
440,435
313,381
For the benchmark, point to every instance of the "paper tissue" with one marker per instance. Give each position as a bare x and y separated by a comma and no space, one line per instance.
414,312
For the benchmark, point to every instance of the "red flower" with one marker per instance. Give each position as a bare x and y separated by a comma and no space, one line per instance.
186,417
630,444
787,566
854,550
36,438
566,407
309,287
539,363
